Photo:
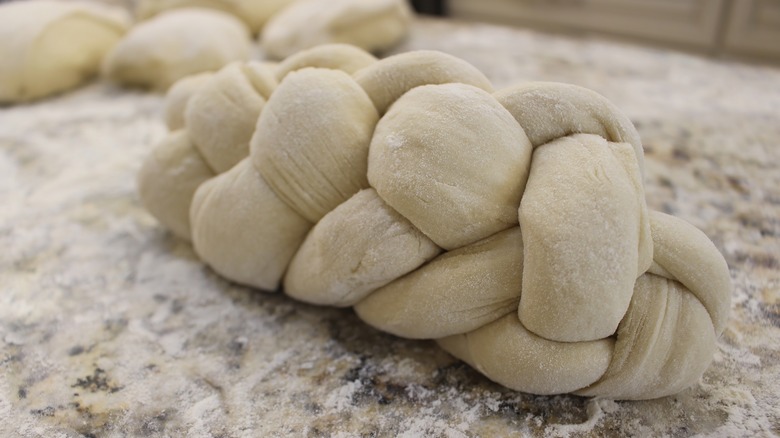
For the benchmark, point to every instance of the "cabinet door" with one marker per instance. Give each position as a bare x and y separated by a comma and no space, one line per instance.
686,22
754,28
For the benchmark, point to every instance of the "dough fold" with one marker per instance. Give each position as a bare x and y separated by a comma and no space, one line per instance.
509,227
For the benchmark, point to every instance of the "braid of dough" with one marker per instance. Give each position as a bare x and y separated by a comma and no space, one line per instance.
509,226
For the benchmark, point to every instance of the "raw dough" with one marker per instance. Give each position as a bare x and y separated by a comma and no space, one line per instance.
221,115
373,25
509,226
175,44
252,12
50,46
179,96
168,180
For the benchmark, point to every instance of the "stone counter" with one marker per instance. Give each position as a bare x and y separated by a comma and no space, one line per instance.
109,326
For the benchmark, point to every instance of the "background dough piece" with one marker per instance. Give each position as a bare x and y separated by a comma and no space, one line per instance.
175,44
49,46
373,25
254,13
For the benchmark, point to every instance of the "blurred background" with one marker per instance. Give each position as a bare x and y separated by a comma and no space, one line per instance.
744,29
738,28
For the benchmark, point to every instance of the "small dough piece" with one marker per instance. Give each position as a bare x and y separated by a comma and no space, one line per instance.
254,13
175,44
373,25
451,160
355,249
243,230
168,180
49,46
179,95
457,292
315,159
221,116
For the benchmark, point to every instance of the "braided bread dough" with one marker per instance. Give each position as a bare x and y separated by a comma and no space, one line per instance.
49,46
175,44
508,225
373,25
253,12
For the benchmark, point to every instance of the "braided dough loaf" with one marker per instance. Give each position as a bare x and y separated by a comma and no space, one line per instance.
175,44
508,225
50,46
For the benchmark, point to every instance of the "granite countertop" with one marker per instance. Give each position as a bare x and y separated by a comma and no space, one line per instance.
109,326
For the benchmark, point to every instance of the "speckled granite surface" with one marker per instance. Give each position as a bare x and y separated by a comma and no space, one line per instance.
111,327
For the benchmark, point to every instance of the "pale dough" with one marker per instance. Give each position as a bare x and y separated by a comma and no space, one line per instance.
509,226
222,113
179,96
168,180
175,44
373,25
48,46
254,13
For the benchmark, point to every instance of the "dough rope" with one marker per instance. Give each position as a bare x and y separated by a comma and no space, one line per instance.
510,226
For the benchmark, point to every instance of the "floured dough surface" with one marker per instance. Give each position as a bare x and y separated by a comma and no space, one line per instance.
50,46
175,44
373,25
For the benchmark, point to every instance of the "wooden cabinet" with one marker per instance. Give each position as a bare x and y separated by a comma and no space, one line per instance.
754,28
742,27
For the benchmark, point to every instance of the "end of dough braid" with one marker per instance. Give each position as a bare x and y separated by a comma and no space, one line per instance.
509,227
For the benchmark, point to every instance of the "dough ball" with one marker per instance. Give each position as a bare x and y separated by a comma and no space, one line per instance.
168,180
175,44
48,46
373,25
254,13
451,160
